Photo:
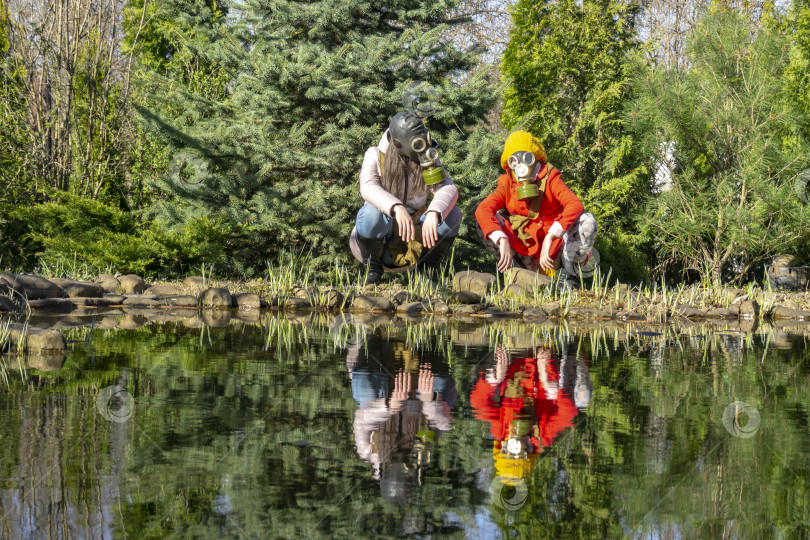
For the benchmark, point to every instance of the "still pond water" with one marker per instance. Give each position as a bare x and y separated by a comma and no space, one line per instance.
373,428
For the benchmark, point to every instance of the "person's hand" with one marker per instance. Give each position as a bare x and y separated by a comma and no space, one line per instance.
402,387
405,223
425,384
546,262
505,262
430,233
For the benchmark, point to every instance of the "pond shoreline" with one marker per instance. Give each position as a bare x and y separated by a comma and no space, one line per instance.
472,297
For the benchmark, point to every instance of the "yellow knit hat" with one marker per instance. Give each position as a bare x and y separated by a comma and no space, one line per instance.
522,141
509,467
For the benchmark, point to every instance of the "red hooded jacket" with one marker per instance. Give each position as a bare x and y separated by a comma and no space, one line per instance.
559,205
552,416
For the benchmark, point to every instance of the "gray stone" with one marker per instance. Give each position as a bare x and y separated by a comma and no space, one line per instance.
749,309
466,297
440,307
180,300
131,321
216,297
33,287
249,315
303,292
534,314
372,303
94,302
247,300
216,318
690,312
467,309
526,278
781,312
117,298
143,300
164,289
37,340
475,282
515,290
52,304
552,309
45,362
79,289
631,316
291,303
400,298
412,308
6,304
722,313
109,283
193,322
132,284
334,299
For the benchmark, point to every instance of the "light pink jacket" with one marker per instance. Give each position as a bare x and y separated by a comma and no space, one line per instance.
445,193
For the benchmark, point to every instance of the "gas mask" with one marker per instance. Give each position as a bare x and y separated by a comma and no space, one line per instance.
413,141
517,446
524,168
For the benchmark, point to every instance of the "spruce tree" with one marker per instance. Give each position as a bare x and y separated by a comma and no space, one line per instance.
310,86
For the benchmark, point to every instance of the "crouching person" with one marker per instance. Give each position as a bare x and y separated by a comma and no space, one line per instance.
532,220
396,228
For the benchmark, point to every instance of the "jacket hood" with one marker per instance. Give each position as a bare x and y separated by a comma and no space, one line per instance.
384,142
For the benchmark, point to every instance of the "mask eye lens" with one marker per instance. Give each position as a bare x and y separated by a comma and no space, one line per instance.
432,154
512,161
419,145
528,158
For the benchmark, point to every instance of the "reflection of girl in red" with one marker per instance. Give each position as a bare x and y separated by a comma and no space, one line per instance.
526,408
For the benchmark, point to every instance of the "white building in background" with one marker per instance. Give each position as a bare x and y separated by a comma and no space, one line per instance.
665,168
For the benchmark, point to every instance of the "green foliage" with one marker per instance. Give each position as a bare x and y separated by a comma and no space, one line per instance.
569,65
310,87
797,75
737,151
69,230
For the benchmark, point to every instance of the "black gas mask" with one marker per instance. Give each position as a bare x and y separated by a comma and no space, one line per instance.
412,140
524,167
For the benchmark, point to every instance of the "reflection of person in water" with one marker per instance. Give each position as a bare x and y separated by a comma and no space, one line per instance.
528,403
403,408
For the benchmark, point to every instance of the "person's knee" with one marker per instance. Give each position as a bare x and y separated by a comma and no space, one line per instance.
371,223
450,225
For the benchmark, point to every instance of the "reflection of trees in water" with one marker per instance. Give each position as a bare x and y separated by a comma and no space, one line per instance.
230,439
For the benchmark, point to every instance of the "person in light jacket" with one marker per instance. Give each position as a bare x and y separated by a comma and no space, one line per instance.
397,228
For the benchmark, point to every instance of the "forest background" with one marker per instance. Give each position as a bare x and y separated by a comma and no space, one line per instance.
157,136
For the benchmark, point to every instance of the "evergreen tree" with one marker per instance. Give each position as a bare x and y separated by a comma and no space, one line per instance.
569,64
310,86
737,154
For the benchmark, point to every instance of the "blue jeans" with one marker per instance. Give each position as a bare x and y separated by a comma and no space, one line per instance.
371,223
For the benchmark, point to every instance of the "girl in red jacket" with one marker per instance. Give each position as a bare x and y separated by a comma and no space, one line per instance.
541,208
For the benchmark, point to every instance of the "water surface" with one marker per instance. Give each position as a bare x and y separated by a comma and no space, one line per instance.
348,427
